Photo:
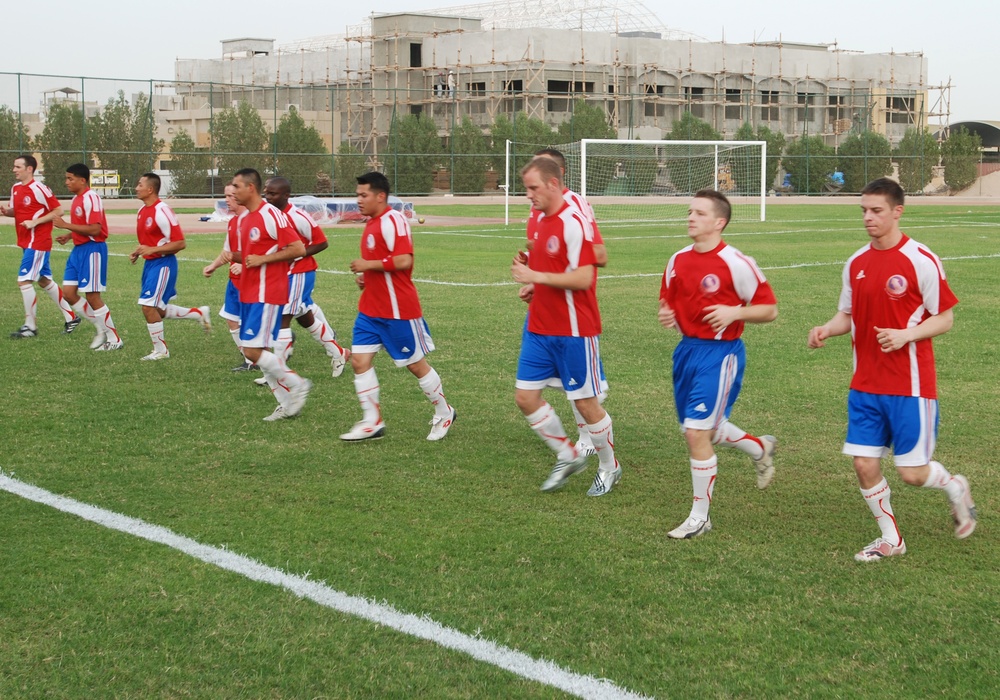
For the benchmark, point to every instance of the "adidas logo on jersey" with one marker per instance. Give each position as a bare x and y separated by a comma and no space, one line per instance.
861,275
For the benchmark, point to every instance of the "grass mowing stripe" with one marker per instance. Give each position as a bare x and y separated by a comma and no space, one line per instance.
422,627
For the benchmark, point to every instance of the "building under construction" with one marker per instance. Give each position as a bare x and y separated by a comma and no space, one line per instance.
510,56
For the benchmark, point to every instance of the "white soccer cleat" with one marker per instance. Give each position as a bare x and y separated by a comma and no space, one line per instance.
279,414
297,398
564,469
337,364
690,528
585,448
440,426
206,318
364,431
765,465
879,550
605,481
110,345
260,381
99,339
156,355
963,510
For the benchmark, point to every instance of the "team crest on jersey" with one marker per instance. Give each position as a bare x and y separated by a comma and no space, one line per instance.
255,234
78,211
895,286
149,222
27,200
710,284
370,242
552,245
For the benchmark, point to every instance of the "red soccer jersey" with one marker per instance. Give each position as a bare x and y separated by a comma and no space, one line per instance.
156,225
263,232
87,208
724,276
388,294
562,245
232,243
574,200
31,201
309,234
896,288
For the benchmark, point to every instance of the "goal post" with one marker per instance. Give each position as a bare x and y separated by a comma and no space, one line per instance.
628,180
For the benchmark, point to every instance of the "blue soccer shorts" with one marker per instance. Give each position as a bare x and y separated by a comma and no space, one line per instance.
34,266
876,422
232,307
159,282
708,375
575,361
87,267
259,324
300,289
406,341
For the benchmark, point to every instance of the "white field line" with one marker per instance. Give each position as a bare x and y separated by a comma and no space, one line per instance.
422,627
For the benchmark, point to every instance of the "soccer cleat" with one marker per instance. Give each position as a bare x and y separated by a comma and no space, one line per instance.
206,318
364,431
765,465
605,481
338,363
690,528
70,326
247,366
963,511
156,355
110,345
99,339
564,469
585,448
880,549
278,414
260,381
297,398
24,332
440,426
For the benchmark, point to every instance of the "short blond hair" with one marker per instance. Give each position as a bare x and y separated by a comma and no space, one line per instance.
545,166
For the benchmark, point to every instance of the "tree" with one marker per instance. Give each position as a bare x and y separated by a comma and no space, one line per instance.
810,162
863,158
122,137
413,154
349,163
301,152
775,147
469,149
61,143
961,153
189,166
527,135
687,172
14,141
916,154
586,122
240,140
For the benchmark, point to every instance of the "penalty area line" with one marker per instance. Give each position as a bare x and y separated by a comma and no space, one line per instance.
421,627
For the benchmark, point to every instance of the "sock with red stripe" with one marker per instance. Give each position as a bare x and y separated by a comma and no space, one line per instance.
877,498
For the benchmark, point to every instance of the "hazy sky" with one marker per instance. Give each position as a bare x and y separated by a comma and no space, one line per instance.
140,41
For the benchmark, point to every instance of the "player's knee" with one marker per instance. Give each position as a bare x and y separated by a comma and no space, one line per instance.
914,476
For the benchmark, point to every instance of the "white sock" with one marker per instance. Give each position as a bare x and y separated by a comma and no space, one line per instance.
940,478
581,424
602,437
430,383
235,335
102,319
276,371
547,425
55,293
82,308
367,388
283,345
156,335
30,300
184,312
319,316
729,435
877,498
325,336
703,472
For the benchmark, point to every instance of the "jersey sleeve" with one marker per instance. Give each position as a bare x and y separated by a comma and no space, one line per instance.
579,249
92,210
169,227
396,235
751,285
934,290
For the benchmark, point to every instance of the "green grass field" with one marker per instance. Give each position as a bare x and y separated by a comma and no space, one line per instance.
770,604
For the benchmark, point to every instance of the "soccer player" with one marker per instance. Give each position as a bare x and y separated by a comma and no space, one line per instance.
894,299
302,281
33,207
389,314
231,306
561,338
87,266
708,292
600,260
268,242
160,239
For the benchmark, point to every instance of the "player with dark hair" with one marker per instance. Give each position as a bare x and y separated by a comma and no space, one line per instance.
389,313
708,292
894,299
87,266
561,339
33,207
160,239
268,243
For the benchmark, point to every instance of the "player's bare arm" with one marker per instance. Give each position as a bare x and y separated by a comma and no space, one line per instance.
84,229
600,255
577,280
666,316
289,252
395,262
892,339
840,324
720,316
161,251
311,250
